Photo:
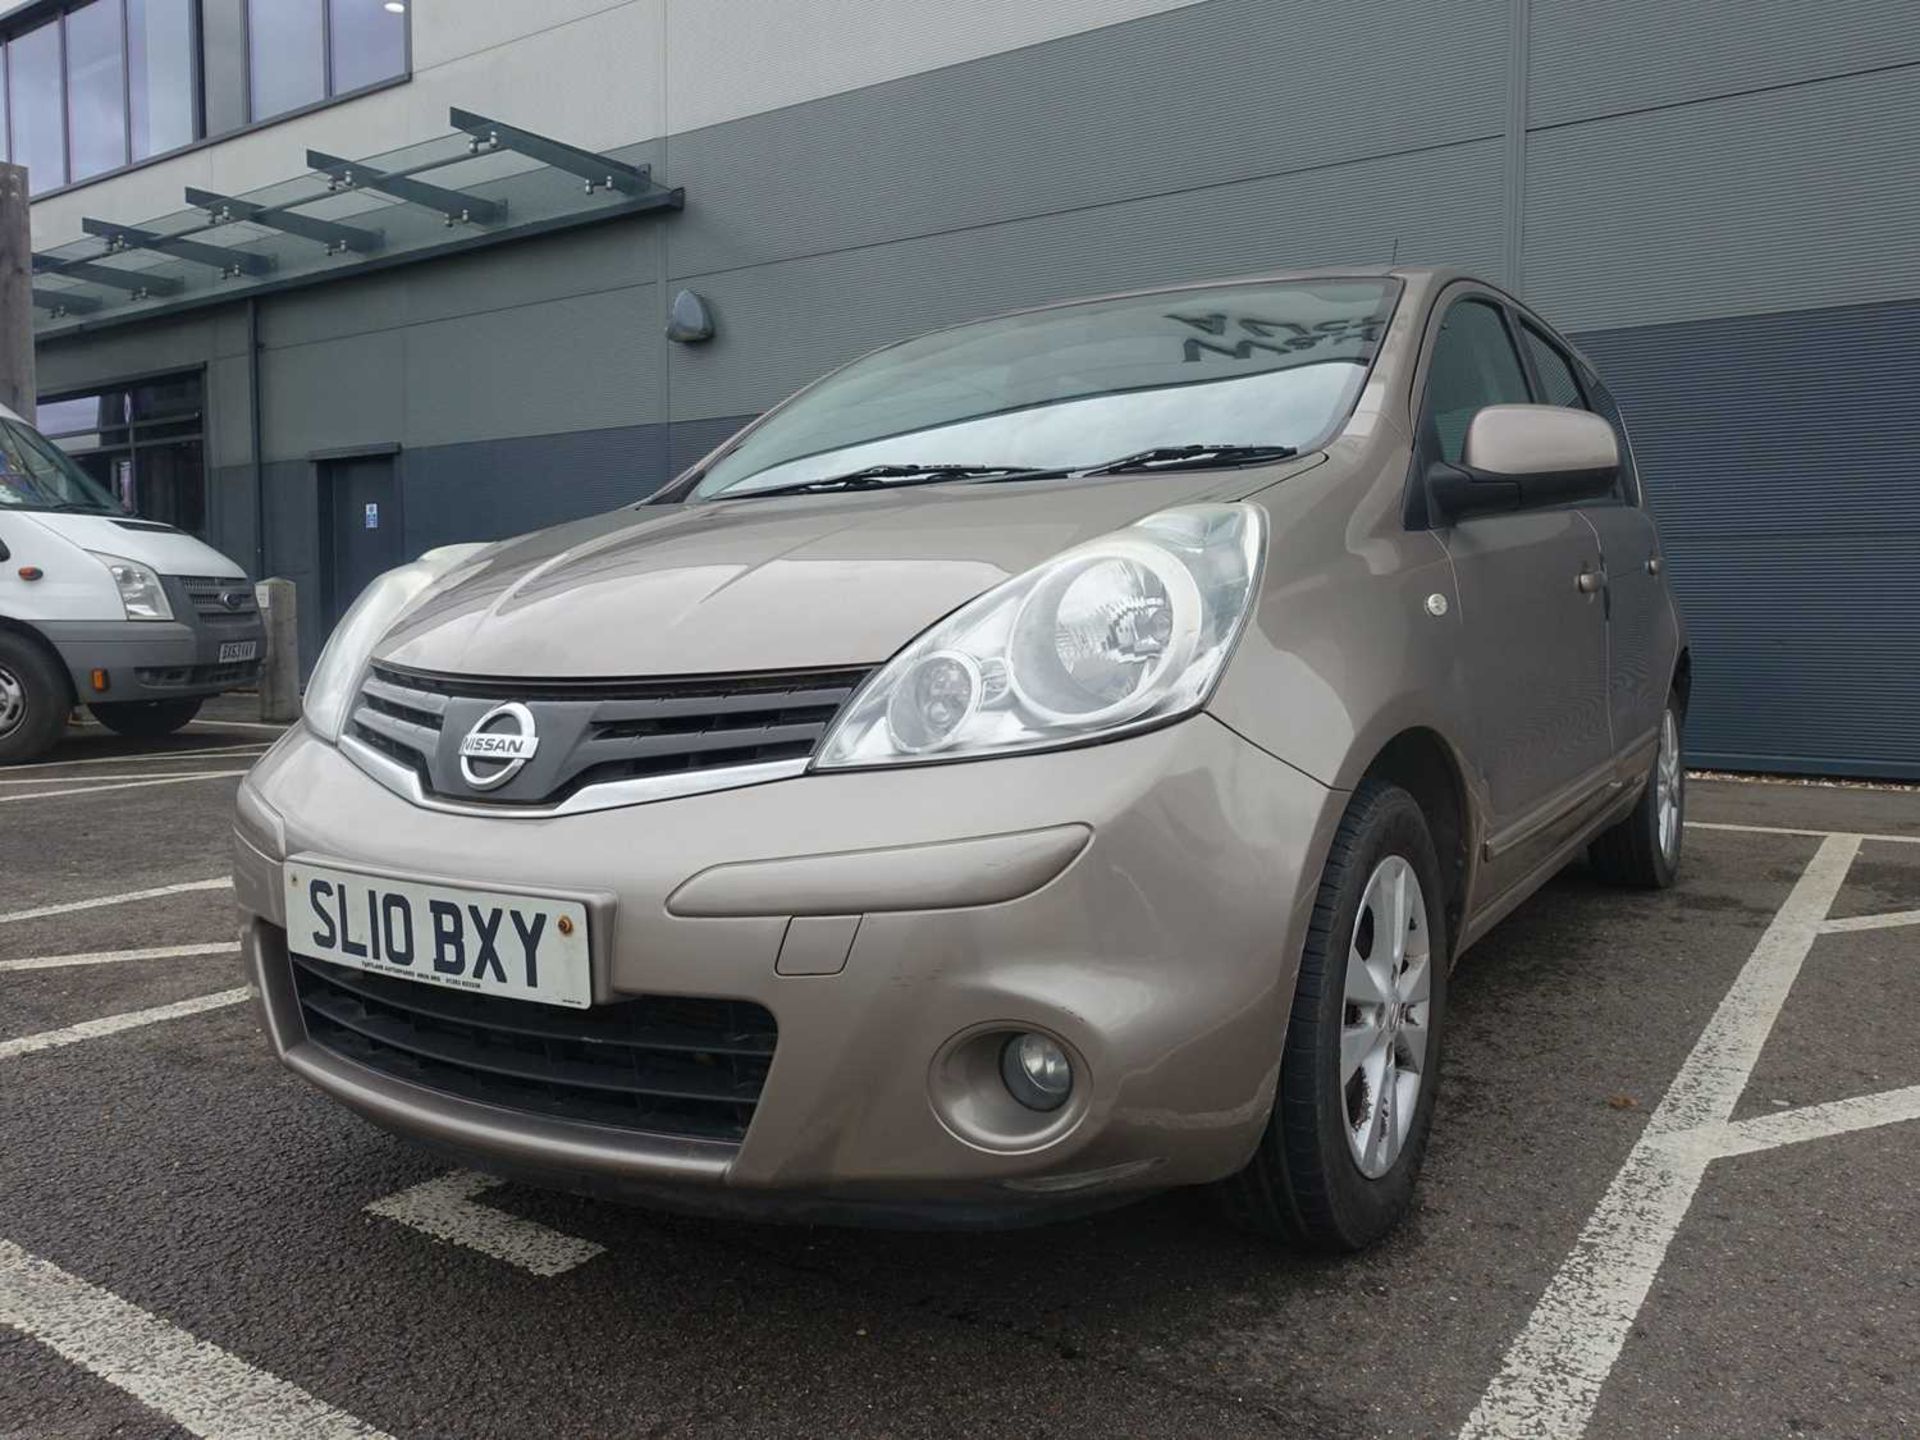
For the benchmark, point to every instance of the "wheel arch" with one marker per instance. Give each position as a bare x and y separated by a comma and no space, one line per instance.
46,647
1419,761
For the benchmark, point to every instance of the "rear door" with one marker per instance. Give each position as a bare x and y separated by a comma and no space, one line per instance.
1534,631
1641,635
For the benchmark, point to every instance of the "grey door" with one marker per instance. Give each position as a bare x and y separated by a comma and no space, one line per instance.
361,499
1535,640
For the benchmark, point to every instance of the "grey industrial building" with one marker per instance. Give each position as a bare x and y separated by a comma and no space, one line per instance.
1717,198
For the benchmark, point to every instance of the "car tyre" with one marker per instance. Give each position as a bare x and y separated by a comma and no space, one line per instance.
145,719
35,699
1367,1016
1643,850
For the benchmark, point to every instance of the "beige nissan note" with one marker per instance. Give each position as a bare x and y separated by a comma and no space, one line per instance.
1051,760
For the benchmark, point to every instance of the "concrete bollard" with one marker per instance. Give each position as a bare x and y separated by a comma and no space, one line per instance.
280,670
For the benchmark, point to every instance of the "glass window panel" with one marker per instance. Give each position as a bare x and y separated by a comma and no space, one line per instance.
369,42
39,128
1557,385
287,55
1474,364
223,42
75,415
96,88
160,74
170,485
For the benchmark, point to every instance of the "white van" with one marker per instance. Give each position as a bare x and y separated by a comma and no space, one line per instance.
137,620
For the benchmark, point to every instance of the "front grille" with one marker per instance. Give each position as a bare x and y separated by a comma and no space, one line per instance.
664,1064
204,593
592,732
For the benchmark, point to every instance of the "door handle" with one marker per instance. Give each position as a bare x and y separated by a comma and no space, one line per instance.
1653,565
1589,581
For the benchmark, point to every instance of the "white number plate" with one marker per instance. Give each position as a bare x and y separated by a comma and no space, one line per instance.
519,946
236,650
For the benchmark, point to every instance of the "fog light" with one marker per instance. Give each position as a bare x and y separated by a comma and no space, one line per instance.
1037,1072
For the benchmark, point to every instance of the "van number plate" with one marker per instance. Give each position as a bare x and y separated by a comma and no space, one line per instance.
486,942
233,651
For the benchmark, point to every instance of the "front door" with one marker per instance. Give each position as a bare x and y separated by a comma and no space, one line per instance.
361,501
1533,618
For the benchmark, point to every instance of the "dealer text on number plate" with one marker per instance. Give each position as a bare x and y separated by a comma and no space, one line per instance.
523,947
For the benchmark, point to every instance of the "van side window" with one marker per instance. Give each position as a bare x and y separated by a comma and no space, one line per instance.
1474,365
1557,383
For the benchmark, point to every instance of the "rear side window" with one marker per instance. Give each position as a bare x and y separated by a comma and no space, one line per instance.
1474,365
1604,405
1557,385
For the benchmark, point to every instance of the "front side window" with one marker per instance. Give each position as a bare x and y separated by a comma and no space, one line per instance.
1474,365
1557,383
35,475
1079,385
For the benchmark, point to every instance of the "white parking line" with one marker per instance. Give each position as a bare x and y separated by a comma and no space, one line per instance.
219,883
444,1208
1795,830
1870,922
1813,1122
195,1384
108,957
114,1024
95,788
1551,1378
236,725
254,747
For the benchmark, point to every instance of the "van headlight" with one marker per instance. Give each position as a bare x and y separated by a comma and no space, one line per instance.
1117,634
141,594
336,675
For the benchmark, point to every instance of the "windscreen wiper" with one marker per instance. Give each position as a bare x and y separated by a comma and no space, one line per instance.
1192,457
886,477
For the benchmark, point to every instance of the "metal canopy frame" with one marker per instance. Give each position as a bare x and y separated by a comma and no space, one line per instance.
457,206
223,258
596,169
337,238
252,248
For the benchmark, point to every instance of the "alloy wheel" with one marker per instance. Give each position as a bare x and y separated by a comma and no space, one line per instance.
1667,780
1385,1022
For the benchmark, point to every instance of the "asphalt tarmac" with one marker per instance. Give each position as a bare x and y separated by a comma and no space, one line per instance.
1673,1190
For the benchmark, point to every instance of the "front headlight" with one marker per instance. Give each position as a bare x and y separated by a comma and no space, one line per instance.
141,595
1114,635
336,676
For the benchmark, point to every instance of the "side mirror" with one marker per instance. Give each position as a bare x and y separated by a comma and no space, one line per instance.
1526,457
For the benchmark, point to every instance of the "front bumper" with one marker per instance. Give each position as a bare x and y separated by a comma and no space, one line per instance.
157,659
1143,901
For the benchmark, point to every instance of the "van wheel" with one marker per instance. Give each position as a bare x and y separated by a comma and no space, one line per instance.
145,719
1643,850
1336,1167
34,699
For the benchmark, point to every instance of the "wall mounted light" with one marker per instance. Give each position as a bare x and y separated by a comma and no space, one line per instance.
690,321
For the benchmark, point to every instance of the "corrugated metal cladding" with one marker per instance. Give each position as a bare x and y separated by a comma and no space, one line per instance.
1780,454
1718,199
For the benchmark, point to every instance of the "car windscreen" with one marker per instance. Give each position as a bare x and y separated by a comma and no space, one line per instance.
1276,364
36,474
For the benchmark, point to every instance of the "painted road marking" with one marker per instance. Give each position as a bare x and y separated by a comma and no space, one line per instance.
194,1384
219,883
1552,1375
96,788
114,1024
444,1208
1795,830
108,957
1870,922
255,747
238,725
